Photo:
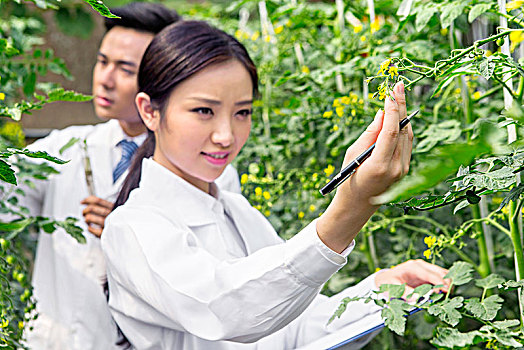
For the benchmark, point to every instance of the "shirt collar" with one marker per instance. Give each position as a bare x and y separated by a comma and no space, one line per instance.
178,197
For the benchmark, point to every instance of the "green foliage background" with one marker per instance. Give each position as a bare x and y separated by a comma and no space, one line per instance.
315,62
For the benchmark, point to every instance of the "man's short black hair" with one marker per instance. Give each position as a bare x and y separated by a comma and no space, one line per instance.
142,16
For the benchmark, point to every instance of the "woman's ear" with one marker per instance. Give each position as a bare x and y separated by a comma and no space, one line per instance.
149,115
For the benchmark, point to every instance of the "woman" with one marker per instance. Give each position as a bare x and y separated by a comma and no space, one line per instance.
192,267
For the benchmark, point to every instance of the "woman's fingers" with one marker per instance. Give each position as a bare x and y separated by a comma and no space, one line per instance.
388,138
368,137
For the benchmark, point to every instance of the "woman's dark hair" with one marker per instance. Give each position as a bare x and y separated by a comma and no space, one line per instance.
175,54
142,16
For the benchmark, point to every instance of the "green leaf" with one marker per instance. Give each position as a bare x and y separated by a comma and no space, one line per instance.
463,204
66,95
450,11
424,14
102,9
394,315
393,290
442,162
512,285
447,131
69,225
485,66
38,154
69,144
7,174
485,310
15,226
505,324
477,10
342,307
513,195
489,282
75,22
507,339
447,311
460,273
451,338
29,84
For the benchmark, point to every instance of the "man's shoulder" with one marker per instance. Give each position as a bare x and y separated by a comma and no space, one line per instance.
59,138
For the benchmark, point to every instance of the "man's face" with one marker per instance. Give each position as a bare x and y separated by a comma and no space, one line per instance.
115,73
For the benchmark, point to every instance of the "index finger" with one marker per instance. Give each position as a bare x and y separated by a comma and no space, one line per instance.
97,201
388,137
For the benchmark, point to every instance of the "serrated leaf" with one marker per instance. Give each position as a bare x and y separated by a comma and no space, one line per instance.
342,307
491,281
69,225
450,11
485,310
505,324
404,8
39,155
494,180
422,290
102,9
512,285
394,315
460,273
485,67
7,174
67,96
440,163
507,339
451,338
513,195
393,290
447,131
477,10
447,311
424,14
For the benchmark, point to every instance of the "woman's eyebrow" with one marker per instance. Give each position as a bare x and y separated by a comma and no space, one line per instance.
217,102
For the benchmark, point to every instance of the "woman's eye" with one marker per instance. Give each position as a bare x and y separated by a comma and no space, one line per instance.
203,110
245,113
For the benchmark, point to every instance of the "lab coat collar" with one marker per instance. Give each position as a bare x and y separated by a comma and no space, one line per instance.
177,196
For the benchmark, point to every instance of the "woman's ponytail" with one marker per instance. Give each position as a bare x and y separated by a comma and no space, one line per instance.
135,169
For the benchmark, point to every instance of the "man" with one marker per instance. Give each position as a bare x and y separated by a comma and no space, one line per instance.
68,276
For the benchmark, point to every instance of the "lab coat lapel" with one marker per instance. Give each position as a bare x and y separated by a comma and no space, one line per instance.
100,146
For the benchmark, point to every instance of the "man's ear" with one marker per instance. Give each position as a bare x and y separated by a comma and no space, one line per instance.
150,116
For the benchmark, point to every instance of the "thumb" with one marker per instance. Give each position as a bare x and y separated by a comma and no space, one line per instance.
366,139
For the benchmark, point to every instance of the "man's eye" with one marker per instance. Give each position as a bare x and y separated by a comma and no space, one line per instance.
128,71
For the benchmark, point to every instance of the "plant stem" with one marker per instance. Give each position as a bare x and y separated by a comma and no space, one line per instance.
484,266
517,246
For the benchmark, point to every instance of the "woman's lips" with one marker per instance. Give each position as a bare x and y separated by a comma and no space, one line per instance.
216,158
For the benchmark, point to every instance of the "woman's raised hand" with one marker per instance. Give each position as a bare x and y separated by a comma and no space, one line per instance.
351,207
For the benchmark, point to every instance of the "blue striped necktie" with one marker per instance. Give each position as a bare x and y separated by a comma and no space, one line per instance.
128,149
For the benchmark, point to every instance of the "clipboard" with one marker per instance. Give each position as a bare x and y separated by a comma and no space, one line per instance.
354,335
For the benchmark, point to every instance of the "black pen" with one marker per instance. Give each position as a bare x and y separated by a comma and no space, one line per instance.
347,171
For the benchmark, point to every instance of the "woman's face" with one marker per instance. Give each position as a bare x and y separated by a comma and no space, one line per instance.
206,123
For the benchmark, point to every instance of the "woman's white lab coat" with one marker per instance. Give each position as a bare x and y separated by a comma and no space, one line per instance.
188,270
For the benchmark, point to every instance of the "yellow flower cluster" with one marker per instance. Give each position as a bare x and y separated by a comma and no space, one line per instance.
427,253
513,5
329,170
515,38
375,25
384,66
430,241
2,96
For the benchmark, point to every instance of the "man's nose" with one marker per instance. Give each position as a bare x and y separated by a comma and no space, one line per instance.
107,76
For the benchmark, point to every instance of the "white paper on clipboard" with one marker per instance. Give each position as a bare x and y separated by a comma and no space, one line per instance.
352,336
